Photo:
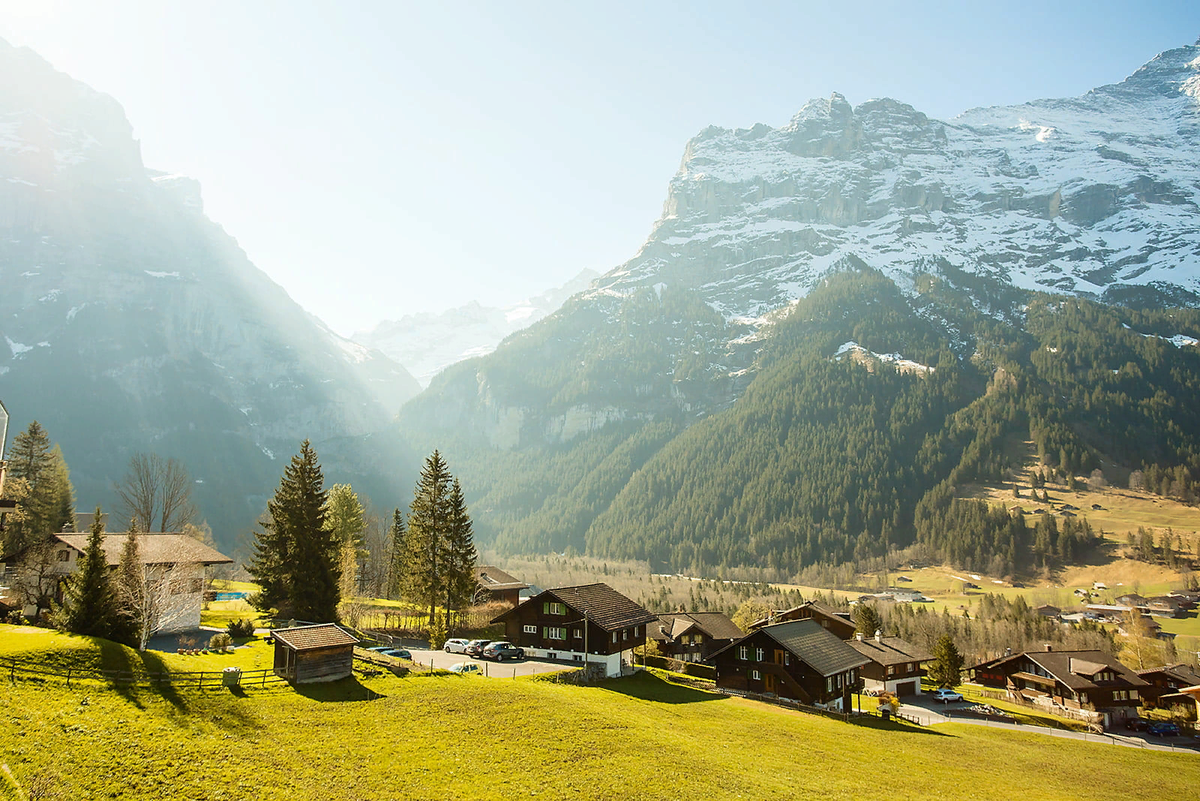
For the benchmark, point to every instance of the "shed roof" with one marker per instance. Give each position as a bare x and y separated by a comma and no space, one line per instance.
810,642
156,549
311,638
890,650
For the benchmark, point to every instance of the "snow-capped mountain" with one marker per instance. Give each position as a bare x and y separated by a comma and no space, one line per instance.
1096,195
427,343
131,322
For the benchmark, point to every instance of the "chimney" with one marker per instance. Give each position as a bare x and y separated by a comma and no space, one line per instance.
1049,647
858,636
878,635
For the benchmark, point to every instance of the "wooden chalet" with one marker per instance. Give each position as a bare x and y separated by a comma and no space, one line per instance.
308,654
1076,681
591,623
1167,684
895,666
799,659
693,636
493,584
836,622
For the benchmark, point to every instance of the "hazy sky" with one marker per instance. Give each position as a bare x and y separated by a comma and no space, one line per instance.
378,159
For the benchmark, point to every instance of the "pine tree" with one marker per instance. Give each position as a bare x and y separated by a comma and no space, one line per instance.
866,620
424,560
296,559
344,518
43,469
460,553
946,670
130,590
396,556
89,605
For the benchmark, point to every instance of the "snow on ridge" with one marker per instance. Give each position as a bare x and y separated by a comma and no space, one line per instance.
156,274
17,348
357,353
902,364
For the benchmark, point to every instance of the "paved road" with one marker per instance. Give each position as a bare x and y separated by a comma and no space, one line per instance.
505,670
930,712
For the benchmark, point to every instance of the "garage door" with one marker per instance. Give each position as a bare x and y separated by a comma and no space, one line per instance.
906,688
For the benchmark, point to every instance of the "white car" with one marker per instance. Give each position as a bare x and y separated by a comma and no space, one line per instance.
465,668
456,646
947,696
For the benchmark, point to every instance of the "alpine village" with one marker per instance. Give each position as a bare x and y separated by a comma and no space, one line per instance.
875,473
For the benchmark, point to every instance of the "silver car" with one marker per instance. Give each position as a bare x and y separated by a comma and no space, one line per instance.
456,646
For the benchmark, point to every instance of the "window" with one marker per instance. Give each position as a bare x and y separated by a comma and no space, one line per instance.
197,585
829,684
787,658
758,655
891,670
614,636
624,634
64,556
1133,695
556,633
577,634
743,653
754,674
528,629
552,608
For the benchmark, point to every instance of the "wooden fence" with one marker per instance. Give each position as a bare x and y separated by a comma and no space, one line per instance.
196,679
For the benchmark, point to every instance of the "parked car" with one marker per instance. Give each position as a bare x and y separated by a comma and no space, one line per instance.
1137,724
1163,729
466,668
503,650
946,696
378,648
475,648
398,653
455,646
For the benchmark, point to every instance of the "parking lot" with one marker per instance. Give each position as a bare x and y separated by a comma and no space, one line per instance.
506,670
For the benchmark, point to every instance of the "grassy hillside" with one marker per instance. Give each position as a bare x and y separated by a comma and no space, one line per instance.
468,737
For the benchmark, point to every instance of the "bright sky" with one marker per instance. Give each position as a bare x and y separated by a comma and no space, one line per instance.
384,158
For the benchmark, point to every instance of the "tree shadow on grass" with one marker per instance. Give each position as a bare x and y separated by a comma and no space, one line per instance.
348,689
898,726
648,687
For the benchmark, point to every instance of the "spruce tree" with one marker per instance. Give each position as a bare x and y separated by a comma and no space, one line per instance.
89,605
296,558
396,558
424,559
31,460
131,590
460,553
866,620
946,670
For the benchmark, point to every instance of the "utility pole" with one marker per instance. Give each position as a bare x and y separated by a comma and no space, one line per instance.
5,505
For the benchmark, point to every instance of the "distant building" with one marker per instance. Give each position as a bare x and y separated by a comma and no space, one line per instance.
1167,684
693,636
839,623
496,585
895,665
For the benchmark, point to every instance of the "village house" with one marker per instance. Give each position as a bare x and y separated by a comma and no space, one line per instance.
175,562
837,622
1167,684
493,584
895,666
693,636
1088,685
317,653
800,660
591,623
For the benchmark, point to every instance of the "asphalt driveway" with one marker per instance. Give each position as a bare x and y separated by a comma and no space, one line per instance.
503,670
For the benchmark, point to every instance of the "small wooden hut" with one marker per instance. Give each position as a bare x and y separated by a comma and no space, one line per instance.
322,652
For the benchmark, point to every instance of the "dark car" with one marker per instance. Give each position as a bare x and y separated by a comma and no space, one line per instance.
397,653
1163,729
503,650
1137,724
475,647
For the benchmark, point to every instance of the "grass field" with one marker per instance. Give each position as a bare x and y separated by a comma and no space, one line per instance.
467,737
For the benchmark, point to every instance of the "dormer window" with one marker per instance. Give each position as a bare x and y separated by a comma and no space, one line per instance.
64,555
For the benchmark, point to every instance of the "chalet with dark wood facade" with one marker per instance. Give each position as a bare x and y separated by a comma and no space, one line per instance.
306,654
693,636
896,666
800,660
496,585
1167,684
841,626
1079,681
592,623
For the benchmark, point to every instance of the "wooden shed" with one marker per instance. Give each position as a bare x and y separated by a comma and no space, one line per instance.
305,654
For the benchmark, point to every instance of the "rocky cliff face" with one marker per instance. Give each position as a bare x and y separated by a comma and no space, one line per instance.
1095,196
131,322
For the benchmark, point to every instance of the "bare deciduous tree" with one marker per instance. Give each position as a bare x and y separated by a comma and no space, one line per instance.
158,601
37,575
157,491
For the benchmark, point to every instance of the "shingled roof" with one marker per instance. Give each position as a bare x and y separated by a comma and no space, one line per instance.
714,624
890,650
604,606
311,638
155,549
807,640
491,577
1076,668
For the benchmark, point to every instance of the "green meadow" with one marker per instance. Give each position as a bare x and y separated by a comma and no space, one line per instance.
442,736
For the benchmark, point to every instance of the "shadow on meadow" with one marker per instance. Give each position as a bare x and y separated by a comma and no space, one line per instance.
348,689
648,687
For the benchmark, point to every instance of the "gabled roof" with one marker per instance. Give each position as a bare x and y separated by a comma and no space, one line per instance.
1182,673
811,643
155,549
890,650
604,606
814,609
715,624
311,638
490,577
1075,669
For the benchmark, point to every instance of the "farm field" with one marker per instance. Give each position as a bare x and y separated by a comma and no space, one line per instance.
455,737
